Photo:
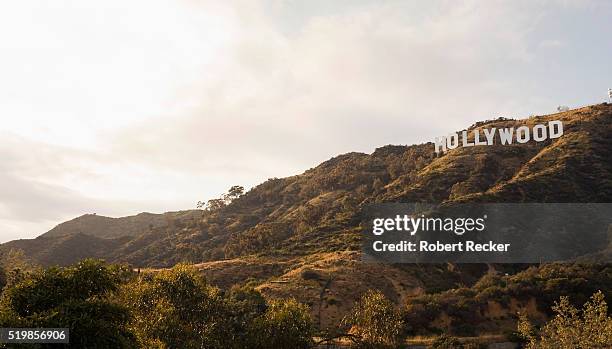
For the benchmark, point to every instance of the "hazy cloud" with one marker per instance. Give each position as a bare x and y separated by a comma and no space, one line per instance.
107,107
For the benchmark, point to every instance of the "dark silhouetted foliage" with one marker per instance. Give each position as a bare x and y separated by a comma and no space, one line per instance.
77,297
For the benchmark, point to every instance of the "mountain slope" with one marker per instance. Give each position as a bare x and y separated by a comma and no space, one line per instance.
300,235
108,227
316,212
65,249
92,236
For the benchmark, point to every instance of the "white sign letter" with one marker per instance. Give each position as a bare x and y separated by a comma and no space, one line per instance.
559,129
452,141
505,134
490,135
539,133
440,145
522,134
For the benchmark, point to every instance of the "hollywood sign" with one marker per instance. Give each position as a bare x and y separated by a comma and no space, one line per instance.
506,136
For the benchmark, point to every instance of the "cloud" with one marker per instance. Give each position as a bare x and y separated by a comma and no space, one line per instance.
39,187
30,207
552,43
345,81
118,107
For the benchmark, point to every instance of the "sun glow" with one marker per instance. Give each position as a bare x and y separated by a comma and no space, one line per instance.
73,69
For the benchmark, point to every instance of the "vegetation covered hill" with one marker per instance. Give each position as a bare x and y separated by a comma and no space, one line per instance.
317,211
108,227
91,236
299,236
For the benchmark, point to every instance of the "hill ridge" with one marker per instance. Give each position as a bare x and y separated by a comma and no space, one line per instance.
315,212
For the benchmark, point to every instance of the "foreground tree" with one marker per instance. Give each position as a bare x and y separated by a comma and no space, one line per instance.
244,305
14,266
76,297
571,328
374,322
107,306
286,324
175,309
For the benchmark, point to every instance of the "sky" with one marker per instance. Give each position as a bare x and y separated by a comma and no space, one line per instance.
119,107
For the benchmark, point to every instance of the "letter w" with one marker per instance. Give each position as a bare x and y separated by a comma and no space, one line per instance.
505,135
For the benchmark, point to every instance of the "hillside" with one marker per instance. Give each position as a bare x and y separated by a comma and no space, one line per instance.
300,235
108,227
92,236
316,212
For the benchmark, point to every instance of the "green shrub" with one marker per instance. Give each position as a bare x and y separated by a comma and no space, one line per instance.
286,324
571,328
176,308
76,297
375,322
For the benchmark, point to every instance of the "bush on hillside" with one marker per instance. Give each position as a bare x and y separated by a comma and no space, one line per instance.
77,297
571,328
286,324
375,322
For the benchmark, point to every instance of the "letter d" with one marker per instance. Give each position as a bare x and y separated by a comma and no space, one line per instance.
555,133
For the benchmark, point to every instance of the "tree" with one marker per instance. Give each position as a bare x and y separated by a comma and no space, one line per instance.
244,305
76,297
215,204
15,259
571,328
233,193
375,322
175,309
211,205
14,266
286,324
